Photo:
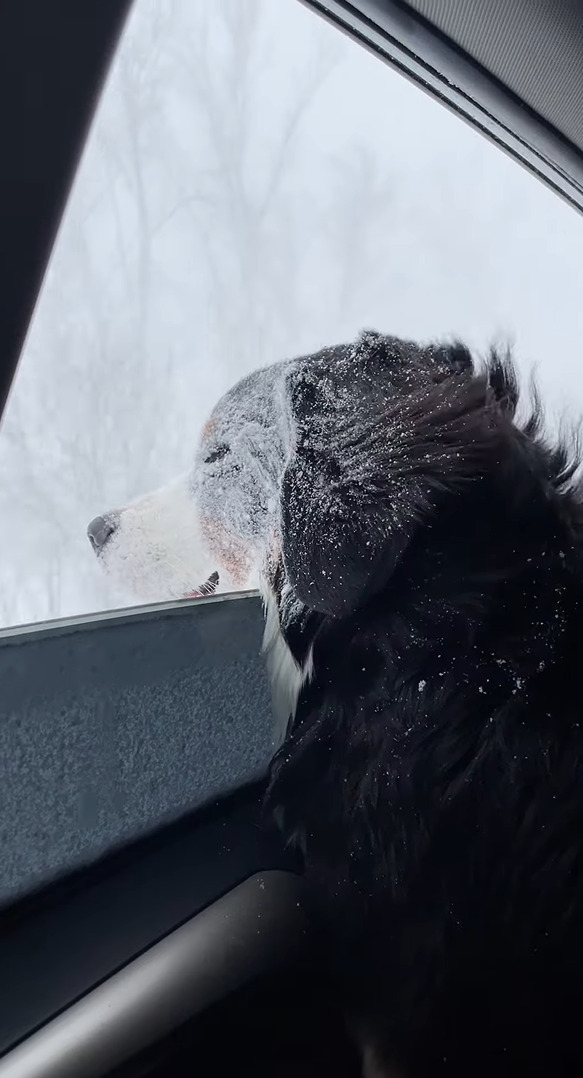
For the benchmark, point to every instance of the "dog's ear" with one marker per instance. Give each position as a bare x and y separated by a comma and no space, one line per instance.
368,462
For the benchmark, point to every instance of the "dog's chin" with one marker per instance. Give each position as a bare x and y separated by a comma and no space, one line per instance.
145,583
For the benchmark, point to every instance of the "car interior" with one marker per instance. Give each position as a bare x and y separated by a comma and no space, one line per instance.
167,931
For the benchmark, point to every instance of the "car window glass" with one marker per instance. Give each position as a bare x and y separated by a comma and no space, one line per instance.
255,185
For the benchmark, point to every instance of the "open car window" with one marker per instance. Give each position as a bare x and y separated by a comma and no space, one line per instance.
255,185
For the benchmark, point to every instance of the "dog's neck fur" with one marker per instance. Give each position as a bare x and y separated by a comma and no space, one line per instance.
286,675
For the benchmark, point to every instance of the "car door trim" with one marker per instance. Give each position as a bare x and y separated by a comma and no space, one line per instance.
251,929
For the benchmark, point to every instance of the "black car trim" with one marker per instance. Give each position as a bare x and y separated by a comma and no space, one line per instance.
254,928
402,37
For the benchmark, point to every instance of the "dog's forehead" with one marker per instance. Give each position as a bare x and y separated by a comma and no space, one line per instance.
264,395
271,395
256,398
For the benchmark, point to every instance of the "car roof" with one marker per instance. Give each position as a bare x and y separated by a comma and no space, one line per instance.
534,50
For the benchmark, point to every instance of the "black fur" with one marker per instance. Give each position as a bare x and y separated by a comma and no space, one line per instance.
434,770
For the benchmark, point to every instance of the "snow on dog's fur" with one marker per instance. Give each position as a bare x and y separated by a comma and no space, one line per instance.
420,557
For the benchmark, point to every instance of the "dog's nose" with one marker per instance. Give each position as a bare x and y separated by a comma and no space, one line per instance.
101,529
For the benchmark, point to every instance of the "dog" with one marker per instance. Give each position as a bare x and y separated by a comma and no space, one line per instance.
419,550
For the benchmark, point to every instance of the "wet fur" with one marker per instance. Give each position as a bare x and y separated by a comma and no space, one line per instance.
286,674
433,771
420,553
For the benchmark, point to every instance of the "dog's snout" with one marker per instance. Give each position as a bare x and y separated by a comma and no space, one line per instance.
101,529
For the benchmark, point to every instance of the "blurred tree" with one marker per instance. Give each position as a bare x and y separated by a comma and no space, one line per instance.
203,238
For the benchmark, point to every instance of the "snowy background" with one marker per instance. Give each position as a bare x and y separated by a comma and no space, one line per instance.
255,185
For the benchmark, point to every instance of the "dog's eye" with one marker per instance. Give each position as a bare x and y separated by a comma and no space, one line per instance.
217,454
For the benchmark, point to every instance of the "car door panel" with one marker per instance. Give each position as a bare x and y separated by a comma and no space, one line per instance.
112,725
